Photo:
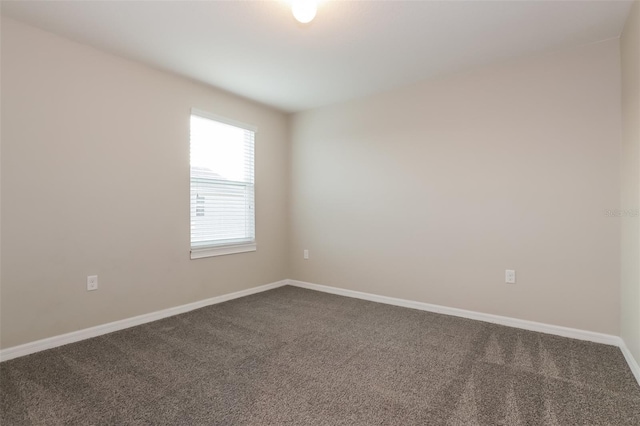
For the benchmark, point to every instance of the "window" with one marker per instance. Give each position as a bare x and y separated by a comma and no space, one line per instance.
222,186
199,205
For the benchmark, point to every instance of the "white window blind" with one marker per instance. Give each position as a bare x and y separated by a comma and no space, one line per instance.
222,186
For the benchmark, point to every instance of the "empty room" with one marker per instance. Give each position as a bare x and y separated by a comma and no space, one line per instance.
320,212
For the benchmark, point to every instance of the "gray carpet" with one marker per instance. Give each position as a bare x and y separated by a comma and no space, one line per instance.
298,357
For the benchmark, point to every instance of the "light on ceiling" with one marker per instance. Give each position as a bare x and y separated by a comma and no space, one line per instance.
304,10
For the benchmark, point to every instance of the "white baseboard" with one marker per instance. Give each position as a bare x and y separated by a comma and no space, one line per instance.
87,333
557,330
573,333
633,364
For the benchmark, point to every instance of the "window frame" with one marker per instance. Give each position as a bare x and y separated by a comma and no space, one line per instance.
223,248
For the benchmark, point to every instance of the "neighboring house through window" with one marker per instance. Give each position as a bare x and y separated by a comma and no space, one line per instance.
200,199
222,186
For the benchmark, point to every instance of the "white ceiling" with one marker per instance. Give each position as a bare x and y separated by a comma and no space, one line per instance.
351,49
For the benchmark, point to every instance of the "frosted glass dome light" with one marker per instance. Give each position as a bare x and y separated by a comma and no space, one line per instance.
304,10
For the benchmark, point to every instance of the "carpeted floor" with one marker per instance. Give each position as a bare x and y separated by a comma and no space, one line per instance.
298,357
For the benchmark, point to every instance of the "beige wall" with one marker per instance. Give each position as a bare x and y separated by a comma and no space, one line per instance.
430,192
630,54
426,193
95,180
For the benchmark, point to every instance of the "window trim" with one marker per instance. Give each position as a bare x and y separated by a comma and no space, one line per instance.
221,250
224,120
229,247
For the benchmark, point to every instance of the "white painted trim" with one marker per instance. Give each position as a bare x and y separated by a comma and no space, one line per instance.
573,333
633,364
557,330
87,333
224,120
202,252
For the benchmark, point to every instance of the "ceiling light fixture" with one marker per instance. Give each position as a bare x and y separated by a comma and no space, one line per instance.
304,10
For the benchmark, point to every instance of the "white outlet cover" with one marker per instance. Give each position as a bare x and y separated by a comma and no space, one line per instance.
510,276
92,282
306,254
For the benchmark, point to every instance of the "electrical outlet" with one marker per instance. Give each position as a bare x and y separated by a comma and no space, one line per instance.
92,282
306,254
510,276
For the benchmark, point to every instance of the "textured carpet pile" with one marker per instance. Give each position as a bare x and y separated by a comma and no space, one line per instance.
298,357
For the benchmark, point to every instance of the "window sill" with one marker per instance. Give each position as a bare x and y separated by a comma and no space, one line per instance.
199,253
